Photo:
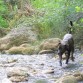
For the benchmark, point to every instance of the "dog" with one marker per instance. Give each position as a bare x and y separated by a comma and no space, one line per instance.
66,46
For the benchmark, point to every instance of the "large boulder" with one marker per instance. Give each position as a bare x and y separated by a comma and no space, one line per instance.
49,44
18,36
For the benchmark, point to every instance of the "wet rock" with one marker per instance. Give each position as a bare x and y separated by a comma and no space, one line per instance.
67,79
7,65
6,80
18,78
12,60
9,62
19,71
16,74
50,71
50,44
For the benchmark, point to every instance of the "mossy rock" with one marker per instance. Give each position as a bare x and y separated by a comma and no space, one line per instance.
50,44
67,79
28,50
15,50
18,36
25,49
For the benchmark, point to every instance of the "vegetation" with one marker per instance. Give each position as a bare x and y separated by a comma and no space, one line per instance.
3,13
50,17
58,13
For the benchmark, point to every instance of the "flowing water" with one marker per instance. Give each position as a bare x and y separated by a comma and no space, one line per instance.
41,64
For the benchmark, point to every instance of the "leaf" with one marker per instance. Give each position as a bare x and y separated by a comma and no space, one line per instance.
77,9
81,19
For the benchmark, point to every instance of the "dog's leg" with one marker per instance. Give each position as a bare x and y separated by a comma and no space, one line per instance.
72,51
67,57
60,60
72,58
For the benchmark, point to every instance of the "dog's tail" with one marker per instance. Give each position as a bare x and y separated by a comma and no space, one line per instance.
71,27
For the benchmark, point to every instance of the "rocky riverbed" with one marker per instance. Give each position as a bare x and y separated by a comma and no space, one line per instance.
41,68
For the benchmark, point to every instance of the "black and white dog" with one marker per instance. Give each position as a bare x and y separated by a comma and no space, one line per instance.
66,46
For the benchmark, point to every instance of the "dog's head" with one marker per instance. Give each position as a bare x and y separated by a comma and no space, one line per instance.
62,48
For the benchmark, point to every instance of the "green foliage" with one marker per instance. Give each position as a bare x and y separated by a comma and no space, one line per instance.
3,8
56,15
78,9
3,13
8,10
51,17
3,22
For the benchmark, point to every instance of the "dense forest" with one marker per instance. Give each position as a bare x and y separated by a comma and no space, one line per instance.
50,17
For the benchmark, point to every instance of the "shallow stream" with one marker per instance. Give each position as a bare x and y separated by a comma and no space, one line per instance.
45,67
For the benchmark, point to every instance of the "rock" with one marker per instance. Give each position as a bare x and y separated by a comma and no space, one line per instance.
25,45
4,47
78,75
50,71
18,78
50,44
18,36
22,49
41,81
7,65
12,60
18,71
6,80
67,79
46,51
15,50
28,50
16,74
9,62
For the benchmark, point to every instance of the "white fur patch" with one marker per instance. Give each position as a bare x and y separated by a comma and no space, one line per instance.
66,38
